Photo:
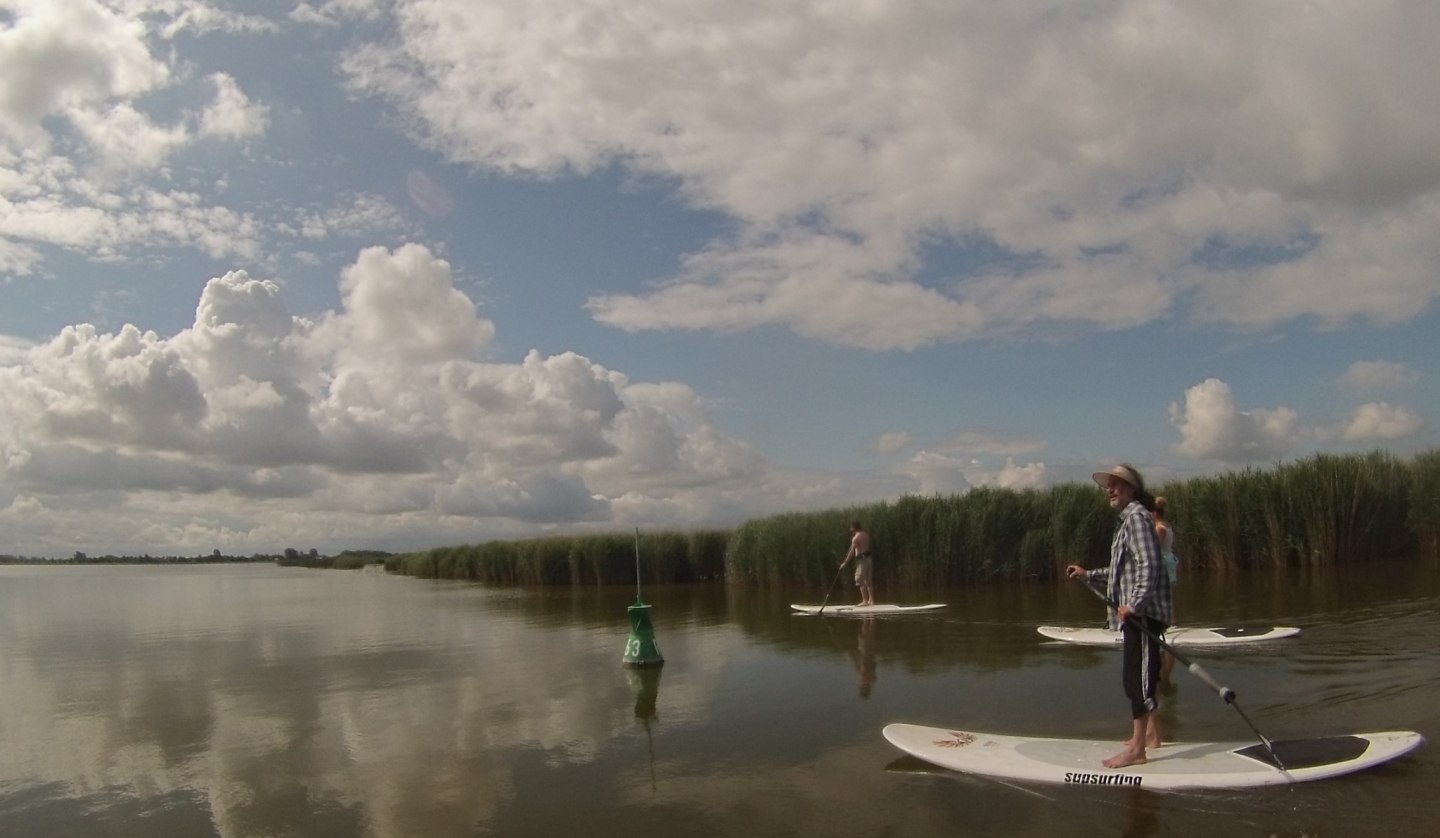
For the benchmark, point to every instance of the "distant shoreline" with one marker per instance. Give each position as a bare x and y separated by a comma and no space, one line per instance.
291,558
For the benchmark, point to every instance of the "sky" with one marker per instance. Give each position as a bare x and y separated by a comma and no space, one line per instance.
398,274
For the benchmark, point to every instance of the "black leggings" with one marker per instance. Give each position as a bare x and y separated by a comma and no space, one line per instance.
1141,666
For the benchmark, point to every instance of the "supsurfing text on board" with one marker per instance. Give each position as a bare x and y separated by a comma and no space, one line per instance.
1088,779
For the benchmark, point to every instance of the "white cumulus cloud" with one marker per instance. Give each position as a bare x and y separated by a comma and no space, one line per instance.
378,420
892,441
1213,427
232,115
1371,375
1129,161
1381,421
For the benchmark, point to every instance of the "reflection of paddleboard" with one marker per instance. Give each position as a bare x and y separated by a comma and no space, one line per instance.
1180,765
1183,636
867,609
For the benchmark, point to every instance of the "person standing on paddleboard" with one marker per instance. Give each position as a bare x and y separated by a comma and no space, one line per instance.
1172,569
1137,583
864,563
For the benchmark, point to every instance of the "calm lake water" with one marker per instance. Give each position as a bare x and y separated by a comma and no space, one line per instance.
265,701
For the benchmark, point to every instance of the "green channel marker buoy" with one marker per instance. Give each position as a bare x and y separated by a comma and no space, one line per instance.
640,647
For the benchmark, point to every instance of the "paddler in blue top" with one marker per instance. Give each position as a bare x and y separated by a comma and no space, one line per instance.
1136,581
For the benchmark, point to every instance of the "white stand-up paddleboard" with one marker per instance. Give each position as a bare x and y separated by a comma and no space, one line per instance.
854,610
1181,765
1181,636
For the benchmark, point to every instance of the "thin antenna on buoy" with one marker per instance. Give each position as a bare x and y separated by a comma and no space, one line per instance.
640,647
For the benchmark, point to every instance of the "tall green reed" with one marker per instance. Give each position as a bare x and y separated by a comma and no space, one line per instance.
1424,515
600,559
984,534
1311,512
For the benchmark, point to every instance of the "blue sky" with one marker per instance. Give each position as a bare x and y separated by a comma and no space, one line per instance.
400,274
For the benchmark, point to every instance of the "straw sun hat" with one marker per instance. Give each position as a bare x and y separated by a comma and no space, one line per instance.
1122,471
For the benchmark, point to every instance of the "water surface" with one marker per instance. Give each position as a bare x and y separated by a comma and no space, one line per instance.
262,701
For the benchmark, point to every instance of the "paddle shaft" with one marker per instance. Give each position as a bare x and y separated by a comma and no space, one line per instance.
1226,694
831,589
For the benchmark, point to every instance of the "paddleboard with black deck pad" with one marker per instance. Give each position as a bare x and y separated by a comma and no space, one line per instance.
1173,766
1181,636
866,610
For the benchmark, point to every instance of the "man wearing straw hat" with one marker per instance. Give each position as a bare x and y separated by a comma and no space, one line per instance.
1137,584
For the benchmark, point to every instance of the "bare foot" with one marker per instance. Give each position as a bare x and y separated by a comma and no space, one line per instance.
1129,756
1152,741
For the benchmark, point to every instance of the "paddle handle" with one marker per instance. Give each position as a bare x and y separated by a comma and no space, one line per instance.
1227,695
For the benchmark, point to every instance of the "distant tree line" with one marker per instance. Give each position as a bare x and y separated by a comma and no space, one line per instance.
82,558
291,557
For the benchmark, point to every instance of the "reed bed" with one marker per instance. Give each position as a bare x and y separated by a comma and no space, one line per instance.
939,540
1424,512
1315,512
604,559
